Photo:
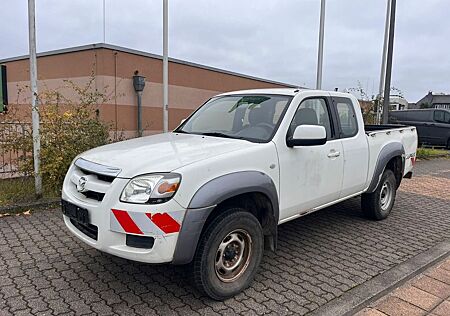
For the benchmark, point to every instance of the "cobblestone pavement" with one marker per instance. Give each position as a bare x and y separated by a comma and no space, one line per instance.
45,270
427,294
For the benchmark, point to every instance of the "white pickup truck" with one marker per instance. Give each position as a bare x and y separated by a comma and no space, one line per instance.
212,192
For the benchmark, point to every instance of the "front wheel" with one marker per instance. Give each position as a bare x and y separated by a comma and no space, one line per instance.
229,254
378,205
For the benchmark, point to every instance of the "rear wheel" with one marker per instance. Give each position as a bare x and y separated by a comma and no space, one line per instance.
228,255
378,205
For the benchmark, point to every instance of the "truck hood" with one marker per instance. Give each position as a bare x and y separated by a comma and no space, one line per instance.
161,153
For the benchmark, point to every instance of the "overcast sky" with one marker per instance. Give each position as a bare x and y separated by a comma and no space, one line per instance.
271,39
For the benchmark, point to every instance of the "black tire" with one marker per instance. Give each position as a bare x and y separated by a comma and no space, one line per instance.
378,205
210,262
448,144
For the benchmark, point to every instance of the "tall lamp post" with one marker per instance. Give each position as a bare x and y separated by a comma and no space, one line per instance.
104,21
383,62
321,38
165,66
390,52
34,95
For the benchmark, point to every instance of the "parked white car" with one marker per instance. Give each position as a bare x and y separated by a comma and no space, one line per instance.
213,191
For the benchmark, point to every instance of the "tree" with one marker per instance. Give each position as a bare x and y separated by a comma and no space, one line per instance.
370,104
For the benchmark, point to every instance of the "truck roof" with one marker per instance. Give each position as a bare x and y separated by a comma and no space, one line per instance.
418,110
282,91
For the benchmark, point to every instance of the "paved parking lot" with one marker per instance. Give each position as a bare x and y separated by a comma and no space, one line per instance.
44,270
427,294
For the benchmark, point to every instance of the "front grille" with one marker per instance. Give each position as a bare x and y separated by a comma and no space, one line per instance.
94,195
105,178
88,229
101,177
95,185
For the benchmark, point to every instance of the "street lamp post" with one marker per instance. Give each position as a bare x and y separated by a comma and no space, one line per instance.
34,96
321,39
165,66
390,52
383,61
104,21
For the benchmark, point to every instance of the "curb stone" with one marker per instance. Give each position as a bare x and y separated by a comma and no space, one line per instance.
361,296
18,208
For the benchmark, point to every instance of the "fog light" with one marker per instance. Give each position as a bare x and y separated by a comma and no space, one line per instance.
144,242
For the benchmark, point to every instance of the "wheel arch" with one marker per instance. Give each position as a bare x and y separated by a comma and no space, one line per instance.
391,156
253,190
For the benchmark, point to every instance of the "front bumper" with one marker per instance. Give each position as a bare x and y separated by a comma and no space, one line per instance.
112,221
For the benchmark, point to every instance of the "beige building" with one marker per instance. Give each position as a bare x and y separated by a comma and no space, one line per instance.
398,102
112,69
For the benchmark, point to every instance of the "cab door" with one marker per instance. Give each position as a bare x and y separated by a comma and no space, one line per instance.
310,176
354,143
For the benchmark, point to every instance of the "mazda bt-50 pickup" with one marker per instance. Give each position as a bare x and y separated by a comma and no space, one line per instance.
212,192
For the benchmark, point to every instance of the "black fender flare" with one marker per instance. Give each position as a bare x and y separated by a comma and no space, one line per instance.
213,193
388,152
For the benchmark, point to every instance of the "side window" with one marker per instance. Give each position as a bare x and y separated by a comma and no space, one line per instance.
347,117
312,112
439,116
447,117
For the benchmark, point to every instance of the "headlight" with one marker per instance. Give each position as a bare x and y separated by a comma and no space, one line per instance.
151,188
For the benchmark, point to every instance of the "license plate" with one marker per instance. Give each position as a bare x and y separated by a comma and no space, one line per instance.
75,212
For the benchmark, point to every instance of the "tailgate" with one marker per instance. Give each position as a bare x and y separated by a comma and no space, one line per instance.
409,141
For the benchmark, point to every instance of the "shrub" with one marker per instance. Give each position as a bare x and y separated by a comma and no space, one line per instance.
68,126
429,153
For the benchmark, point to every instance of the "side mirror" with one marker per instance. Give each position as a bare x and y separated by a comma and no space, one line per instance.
308,135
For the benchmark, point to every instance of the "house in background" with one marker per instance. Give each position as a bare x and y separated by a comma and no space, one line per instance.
434,101
411,105
398,102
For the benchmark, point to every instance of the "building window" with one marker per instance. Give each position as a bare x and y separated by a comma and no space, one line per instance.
442,106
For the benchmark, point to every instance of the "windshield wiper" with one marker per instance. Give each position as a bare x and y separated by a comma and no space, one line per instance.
219,134
180,131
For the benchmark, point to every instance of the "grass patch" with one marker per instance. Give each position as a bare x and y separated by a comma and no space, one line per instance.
429,153
20,190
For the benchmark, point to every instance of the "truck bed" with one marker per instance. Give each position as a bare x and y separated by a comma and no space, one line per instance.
380,135
376,128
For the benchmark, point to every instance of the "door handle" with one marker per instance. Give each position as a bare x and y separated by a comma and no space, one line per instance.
334,154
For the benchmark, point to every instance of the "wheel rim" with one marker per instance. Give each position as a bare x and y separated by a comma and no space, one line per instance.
233,255
386,195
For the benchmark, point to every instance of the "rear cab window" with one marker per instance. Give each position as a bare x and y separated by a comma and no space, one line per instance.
346,116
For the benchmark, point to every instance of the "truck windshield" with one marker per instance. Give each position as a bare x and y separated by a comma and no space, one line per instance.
251,117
